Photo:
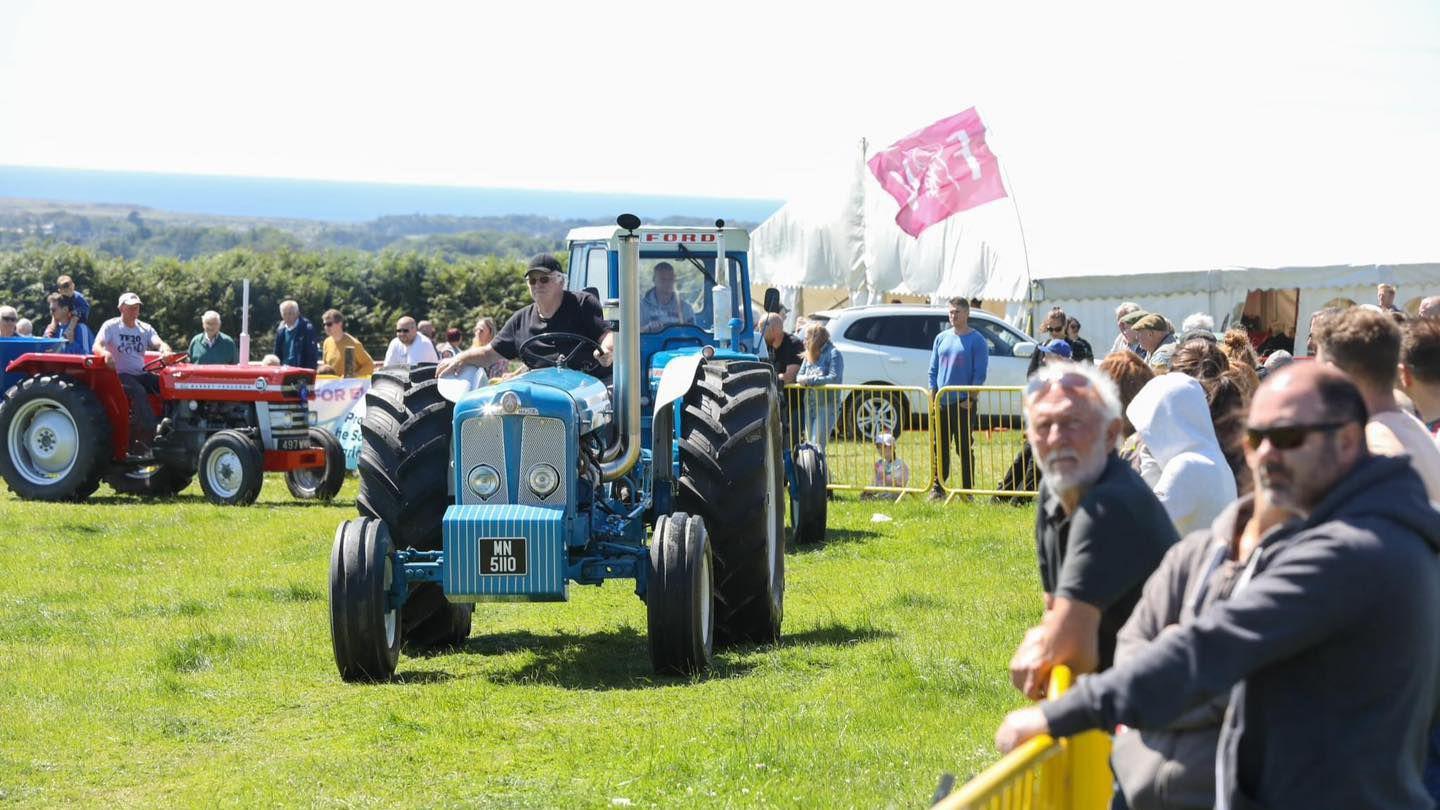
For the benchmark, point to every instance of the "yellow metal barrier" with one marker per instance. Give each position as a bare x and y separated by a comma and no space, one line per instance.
844,421
979,442
1044,773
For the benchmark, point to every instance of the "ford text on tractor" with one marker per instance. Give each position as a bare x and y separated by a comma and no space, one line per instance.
66,427
672,479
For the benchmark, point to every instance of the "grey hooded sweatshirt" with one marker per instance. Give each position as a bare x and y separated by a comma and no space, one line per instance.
1331,654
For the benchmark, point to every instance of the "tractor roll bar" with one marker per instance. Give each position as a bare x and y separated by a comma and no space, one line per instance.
619,458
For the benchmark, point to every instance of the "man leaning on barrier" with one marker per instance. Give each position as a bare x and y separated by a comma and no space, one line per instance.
1099,529
1330,643
784,351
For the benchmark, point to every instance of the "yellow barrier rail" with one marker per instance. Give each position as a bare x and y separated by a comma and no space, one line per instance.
844,421
1044,773
978,449
979,442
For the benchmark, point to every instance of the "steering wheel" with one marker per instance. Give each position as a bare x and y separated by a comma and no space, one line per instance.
165,360
545,350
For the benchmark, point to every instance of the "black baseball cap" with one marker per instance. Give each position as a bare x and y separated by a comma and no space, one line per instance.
546,262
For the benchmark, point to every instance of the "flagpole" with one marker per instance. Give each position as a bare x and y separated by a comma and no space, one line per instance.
1024,245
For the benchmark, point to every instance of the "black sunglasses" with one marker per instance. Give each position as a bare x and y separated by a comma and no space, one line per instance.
9,319
331,323
1287,437
402,331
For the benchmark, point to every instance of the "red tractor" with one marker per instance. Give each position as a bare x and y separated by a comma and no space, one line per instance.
66,426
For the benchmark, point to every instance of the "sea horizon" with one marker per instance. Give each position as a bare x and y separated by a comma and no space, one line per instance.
349,201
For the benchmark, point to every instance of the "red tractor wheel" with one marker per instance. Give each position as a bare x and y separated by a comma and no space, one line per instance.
232,468
320,483
57,440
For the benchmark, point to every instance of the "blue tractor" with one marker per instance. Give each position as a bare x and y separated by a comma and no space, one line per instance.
672,476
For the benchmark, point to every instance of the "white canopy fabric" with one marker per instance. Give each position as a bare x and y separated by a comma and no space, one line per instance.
841,232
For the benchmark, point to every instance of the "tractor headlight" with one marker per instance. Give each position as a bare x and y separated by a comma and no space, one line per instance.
483,480
543,479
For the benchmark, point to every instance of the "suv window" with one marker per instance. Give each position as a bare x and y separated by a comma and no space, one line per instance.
920,331
1000,341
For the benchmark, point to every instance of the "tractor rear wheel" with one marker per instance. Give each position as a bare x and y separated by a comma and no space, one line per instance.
364,629
155,481
679,598
732,475
320,483
57,439
810,502
232,469
404,462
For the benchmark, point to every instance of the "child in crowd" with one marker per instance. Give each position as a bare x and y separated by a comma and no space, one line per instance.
890,471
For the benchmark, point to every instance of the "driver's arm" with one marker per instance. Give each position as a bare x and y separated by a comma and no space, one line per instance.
607,343
158,344
482,356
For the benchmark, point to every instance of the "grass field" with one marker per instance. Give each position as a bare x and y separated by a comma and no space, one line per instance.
179,654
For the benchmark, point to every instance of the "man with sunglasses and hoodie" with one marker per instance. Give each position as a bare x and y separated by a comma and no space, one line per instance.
555,310
1328,641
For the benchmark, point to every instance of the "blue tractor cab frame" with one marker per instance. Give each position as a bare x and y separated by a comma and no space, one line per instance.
671,477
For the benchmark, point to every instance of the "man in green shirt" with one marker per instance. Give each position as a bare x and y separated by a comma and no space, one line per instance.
213,347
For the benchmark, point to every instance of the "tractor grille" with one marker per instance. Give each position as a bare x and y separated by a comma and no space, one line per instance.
492,440
289,425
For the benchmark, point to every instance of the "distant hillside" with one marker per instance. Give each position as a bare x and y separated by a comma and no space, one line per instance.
142,233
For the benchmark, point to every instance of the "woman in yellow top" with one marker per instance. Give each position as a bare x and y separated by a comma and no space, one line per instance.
337,341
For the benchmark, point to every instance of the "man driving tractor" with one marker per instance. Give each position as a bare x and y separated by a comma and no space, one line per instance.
123,341
555,311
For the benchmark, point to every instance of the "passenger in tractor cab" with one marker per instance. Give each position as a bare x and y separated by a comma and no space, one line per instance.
123,342
555,310
662,306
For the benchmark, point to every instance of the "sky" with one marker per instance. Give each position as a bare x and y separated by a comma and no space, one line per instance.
1156,125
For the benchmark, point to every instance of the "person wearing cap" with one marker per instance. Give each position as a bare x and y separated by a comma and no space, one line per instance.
555,309
1151,332
1125,341
890,470
1056,351
122,342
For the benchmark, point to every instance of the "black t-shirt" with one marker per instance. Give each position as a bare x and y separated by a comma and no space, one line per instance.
578,314
787,354
1102,554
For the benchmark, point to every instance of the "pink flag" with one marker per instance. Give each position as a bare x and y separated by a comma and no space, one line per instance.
941,170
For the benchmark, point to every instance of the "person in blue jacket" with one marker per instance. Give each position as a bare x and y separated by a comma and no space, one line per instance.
820,364
960,356
296,341
64,325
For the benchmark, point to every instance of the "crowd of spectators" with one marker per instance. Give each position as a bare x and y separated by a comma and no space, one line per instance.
1244,554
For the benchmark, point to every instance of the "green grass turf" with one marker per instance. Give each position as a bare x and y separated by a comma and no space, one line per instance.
179,654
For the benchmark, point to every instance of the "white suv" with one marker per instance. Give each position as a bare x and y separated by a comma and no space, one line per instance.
889,344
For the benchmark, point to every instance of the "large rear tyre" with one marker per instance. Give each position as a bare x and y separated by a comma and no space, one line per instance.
364,629
404,462
232,469
810,502
320,483
731,474
679,598
57,439
155,481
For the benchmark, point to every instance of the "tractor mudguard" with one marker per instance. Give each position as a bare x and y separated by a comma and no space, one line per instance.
676,380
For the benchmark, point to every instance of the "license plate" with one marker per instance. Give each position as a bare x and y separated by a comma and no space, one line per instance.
295,444
503,556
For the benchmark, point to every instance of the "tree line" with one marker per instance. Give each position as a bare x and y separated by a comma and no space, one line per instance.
373,290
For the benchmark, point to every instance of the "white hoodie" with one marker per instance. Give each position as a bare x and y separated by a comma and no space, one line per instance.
1173,420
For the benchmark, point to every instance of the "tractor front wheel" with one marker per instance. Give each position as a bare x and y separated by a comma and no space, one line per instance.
679,600
364,628
320,483
232,468
57,439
